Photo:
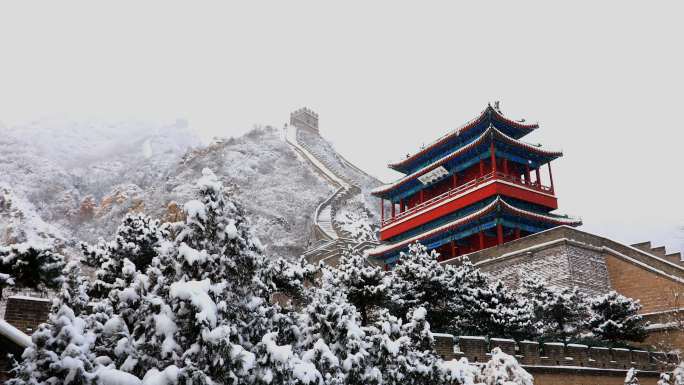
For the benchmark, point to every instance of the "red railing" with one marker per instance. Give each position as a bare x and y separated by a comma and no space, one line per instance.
467,186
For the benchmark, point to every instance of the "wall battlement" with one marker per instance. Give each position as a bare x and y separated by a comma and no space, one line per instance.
554,354
304,118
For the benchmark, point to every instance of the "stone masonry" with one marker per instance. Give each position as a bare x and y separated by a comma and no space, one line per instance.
26,313
304,118
558,363
568,257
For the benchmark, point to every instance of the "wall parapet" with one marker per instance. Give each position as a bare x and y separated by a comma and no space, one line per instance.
553,354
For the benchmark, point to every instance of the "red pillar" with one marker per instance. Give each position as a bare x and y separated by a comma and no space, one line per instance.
536,171
527,173
551,177
421,196
505,166
401,205
493,154
499,234
454,181
517,233
382,210
454,249
481,167
393,210
481,236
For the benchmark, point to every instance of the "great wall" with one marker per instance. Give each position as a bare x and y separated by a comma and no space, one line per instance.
328,238
559,363
549,363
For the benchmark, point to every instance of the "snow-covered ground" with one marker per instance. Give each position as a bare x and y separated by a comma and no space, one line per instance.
74,180
353,212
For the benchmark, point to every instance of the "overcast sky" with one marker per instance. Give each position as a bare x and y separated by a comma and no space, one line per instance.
604,80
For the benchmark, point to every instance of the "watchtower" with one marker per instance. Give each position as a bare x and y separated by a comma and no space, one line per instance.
304,118
475,187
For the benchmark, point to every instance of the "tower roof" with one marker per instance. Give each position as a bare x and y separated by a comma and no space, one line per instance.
491,133
489,116
497,204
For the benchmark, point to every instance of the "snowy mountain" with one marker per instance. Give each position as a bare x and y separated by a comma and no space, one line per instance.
78,179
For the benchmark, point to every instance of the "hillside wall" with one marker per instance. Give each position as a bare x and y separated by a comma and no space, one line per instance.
562,364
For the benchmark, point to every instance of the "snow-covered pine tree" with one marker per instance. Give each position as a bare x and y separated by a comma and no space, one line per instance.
120,286
482,307
504,369
615,318
664,379
559,312
536,290
366,286
61,348
287,278
678,375
30,265
155,327
566,312
401,353
509,313
216,288
137,239
631,377
418,280
471,299
330,327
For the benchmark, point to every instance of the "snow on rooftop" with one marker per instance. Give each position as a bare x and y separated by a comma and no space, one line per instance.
457,132
461,150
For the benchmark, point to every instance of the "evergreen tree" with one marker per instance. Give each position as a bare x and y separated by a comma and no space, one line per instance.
137,239
402,353
418,280
631,377
559,313
509,314
29,265
120,286
615,318
471,299
537,292
61,348
330,326
482,307
678,375
203,312
504,369
216,288
664,379
366,285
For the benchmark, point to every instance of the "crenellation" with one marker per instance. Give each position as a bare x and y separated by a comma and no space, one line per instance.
529,350
444,346
304,118
475,349
506,345
578,353
599,357
641,359
622,358
659,361
554,355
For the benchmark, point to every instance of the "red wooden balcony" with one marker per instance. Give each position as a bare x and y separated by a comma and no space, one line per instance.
494,183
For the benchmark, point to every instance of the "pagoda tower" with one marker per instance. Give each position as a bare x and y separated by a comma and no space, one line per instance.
476,187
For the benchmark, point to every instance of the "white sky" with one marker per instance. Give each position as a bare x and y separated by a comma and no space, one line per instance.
604,79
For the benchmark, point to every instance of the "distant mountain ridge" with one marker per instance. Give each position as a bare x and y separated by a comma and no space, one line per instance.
81,178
